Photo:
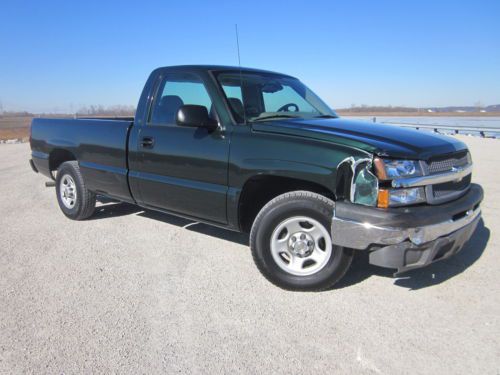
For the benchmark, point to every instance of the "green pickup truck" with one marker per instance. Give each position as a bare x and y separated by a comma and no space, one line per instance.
256,151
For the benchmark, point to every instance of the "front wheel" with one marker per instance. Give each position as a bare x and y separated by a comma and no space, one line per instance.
291,243
75,200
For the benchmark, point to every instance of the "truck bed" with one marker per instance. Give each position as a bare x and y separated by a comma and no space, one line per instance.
99,145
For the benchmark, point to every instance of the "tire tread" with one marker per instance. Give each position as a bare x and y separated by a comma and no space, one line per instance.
88,198
293,196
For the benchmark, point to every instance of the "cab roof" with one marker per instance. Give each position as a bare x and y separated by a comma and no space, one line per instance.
218,68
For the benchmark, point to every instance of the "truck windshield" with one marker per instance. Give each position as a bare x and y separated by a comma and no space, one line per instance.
261,96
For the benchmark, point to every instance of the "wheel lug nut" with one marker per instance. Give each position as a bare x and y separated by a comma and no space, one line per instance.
310,243
302,236
294,239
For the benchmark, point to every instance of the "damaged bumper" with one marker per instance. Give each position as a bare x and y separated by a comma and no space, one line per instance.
408,237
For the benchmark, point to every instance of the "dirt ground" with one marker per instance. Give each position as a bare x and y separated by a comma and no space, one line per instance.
135,291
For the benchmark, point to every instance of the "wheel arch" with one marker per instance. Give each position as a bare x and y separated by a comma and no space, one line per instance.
260,189
59,156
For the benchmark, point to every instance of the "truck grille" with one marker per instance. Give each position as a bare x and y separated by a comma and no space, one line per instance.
446,163
440,193
451,188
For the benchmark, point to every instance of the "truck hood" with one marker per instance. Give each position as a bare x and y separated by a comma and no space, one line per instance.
380,139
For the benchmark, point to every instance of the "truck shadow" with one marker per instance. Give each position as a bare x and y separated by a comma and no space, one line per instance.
110,208
361,270
431,275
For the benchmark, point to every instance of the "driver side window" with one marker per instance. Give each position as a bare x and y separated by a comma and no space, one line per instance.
176,90
273,101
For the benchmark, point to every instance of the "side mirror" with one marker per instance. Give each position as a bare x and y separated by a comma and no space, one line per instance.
195,116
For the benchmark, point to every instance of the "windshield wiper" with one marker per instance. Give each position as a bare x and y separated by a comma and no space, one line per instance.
274,116
325,116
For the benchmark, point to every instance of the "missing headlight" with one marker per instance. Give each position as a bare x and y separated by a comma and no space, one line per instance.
364,186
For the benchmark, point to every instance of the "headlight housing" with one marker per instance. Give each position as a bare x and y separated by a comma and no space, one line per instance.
388,169
400,197
373,189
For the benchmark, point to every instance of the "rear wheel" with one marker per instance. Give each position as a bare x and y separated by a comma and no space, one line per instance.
291,243
75,200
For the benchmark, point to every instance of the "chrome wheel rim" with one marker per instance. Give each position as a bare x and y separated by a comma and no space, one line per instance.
67,191
301,246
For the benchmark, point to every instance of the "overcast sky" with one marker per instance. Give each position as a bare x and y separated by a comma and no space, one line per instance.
63,55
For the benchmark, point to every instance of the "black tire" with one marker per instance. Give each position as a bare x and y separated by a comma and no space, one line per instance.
278,210
84,202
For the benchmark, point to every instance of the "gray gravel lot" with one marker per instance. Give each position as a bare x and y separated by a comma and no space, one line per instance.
134,291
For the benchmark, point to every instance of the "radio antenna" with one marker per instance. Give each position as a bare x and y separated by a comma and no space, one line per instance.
238,44
241,74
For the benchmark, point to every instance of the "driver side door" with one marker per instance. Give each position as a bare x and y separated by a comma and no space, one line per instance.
182,169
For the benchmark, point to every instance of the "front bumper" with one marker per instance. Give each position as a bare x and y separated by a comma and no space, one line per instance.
408,237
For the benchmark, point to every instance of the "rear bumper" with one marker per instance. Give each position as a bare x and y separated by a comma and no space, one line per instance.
39,162
408,238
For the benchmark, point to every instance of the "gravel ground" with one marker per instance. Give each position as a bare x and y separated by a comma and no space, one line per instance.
133,291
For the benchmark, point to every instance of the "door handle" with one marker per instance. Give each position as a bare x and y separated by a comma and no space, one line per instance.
147,142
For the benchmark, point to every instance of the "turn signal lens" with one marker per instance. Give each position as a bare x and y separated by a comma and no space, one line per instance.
383,198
